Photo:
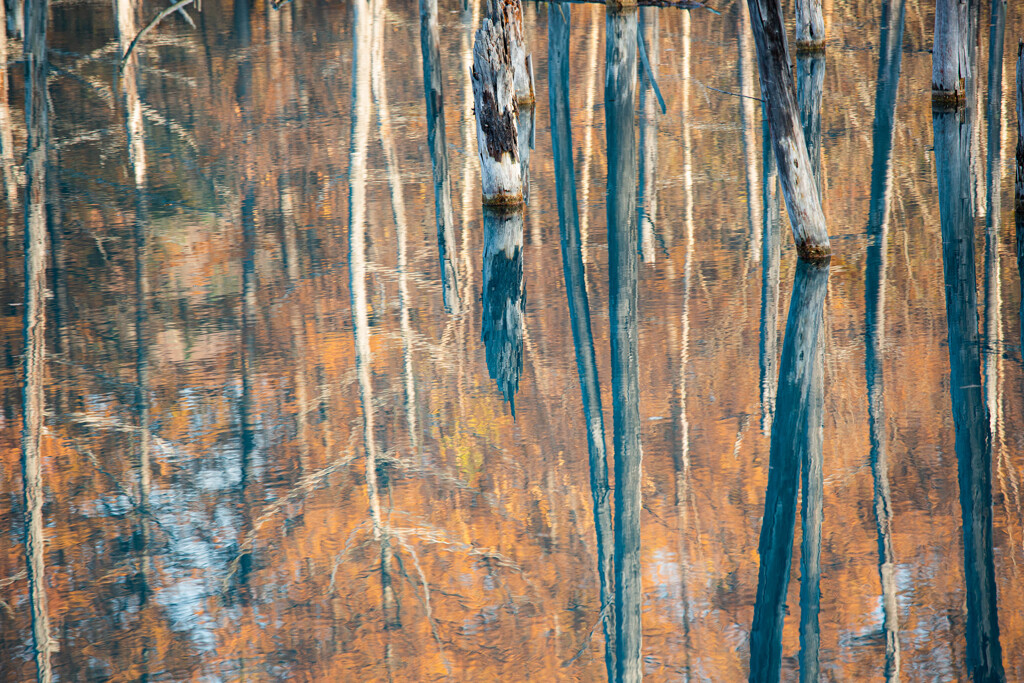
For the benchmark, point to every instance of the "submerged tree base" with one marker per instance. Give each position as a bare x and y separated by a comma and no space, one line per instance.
810,47
948,99
504,201
814,252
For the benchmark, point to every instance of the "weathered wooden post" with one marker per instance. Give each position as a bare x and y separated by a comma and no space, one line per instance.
951,63
433,88
497,127
579,311
795,171
893,14
973,438
796,436
504,298
810,26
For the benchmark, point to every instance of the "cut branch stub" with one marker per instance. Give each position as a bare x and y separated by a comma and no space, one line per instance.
508,16
497,128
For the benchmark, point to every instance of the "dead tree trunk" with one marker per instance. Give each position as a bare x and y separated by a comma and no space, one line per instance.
34,363
798,185
504,298
497,127
810,26
951,63
623,265
433,87
794,436
579,311
970,419
1018,202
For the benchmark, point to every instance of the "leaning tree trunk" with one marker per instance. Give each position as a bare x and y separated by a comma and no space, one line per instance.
951,64
795,437
579,311
798,185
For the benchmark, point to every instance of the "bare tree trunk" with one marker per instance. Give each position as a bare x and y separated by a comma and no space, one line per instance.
497,127
6,125
748,84
795,438
579,312
973,439
893,13
647,195
810,26
361,55
951,64
770,258
1018,187
433,86
798,185
34,363
504,298
623,263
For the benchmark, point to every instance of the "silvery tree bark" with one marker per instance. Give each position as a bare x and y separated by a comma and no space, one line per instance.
497,113
951,63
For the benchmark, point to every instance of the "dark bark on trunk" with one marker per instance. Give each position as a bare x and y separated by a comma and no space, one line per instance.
779,95
623,264
579,311
433,88
893,13
795,438
970,417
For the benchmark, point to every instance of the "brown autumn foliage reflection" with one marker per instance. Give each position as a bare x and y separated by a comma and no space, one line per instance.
257,557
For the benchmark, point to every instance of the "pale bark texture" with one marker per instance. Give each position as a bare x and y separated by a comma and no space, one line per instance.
810,26
497,127
647,199
579,311
508,14
34,361
951,64
798,184
771,256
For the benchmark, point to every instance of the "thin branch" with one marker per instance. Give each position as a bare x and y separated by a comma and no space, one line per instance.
149,27
726,92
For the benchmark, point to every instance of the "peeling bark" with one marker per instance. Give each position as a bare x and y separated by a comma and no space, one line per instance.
497,129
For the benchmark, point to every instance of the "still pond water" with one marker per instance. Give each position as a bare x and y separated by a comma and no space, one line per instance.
256,427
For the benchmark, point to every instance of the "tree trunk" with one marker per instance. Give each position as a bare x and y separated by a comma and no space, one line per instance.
973,439
433,87
795,438
810,80
951,65
579,311
893,13
34,362
812,484
647,194
504,298
810,27
1018,186
623,264
497,128
508,14
777,91
770,257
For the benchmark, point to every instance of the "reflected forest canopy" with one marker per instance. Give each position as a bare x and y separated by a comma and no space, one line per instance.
375,341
